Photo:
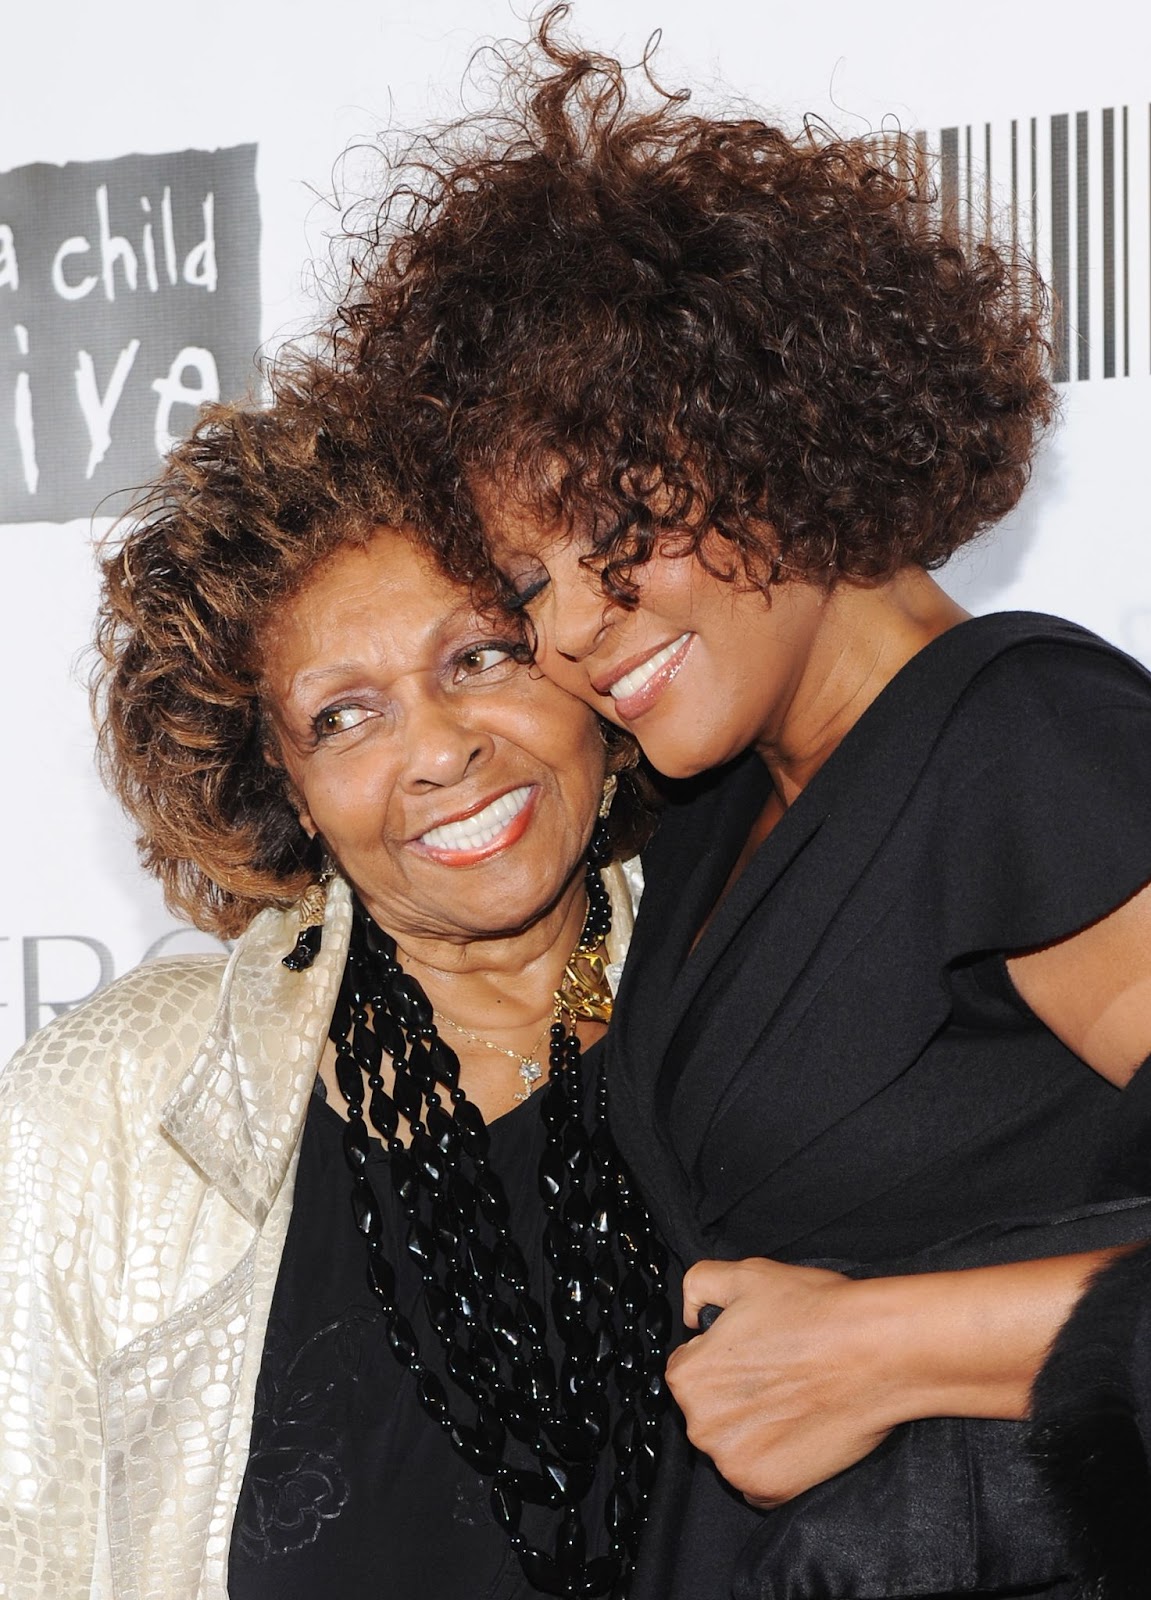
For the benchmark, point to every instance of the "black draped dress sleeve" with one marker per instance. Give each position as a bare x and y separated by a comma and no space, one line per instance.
840,1071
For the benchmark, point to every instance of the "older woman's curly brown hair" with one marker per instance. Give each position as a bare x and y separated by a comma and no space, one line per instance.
639,320
247,509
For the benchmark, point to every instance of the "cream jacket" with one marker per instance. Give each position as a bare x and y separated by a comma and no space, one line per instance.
148,1146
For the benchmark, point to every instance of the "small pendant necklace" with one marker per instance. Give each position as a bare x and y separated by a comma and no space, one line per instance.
530,1070
582,993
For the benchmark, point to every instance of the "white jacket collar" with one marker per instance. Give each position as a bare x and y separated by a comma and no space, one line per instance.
238,1112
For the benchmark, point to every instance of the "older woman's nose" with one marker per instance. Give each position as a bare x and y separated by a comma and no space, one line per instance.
442,747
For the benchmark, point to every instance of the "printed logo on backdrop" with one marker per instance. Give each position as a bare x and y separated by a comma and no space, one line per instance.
129,296
58,971
1072,189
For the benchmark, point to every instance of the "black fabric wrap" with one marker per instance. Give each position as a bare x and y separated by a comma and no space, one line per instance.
1089,1433
1090,1429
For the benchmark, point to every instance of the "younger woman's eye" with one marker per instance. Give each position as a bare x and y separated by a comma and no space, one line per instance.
527,586
337,719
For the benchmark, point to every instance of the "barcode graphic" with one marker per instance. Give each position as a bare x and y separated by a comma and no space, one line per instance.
1074,191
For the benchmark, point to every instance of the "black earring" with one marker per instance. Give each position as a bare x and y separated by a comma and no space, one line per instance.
306,948
311,912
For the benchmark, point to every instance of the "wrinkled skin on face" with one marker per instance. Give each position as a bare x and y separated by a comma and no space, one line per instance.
455,785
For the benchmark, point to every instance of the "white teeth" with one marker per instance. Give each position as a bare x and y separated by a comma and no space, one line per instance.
632,682
473,833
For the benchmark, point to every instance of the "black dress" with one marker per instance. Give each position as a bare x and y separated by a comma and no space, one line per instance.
350,1489
841,1072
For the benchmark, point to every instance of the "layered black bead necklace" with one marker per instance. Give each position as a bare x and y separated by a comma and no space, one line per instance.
600,1399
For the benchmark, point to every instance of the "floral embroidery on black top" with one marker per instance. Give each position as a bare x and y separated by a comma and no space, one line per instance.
295,1479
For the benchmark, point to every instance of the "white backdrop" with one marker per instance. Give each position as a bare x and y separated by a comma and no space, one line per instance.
304,83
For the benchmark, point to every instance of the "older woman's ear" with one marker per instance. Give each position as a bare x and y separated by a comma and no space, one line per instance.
303,816
291,794
296,801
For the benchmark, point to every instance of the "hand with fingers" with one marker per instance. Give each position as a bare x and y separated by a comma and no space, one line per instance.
783,1389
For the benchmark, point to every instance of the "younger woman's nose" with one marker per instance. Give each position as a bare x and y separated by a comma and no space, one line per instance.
576,612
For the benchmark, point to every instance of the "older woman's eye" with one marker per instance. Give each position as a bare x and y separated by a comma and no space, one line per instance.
337,719
489,658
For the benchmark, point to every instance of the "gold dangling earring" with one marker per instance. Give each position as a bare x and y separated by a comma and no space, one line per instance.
310,910
610,785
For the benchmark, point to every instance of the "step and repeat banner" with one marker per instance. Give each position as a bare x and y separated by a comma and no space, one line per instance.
170,209
131,296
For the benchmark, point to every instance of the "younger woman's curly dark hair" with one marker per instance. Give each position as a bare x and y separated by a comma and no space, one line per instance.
248,507
639,320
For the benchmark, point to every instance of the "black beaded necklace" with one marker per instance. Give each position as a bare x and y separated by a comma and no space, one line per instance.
604,1395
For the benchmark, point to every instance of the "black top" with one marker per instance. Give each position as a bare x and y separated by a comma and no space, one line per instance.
350,1488
843,1072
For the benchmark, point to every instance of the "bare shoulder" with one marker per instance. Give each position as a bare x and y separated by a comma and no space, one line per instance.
1093,989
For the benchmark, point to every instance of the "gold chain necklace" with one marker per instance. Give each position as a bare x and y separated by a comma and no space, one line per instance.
529,1067
583,991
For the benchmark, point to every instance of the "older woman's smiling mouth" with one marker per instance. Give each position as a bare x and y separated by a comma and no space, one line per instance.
499,823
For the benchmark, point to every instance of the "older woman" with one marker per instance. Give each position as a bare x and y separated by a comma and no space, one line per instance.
721,399
318,1270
